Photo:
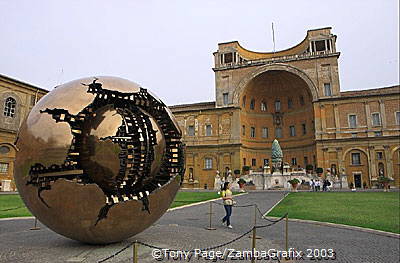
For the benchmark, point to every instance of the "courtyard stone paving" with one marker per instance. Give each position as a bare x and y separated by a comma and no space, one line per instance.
184,229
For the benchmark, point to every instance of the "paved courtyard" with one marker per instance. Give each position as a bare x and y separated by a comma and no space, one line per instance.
184,229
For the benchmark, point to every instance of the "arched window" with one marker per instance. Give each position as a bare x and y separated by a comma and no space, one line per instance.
244,101
9,107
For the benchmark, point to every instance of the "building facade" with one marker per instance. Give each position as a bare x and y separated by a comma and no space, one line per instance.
17,99
294,96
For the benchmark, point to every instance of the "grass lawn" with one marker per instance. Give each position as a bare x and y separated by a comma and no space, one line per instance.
13,201
376,210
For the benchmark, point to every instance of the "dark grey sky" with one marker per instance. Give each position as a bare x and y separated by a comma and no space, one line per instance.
166,46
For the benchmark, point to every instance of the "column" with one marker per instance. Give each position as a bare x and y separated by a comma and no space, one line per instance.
383,113
372,163
389,161
337,121
368,115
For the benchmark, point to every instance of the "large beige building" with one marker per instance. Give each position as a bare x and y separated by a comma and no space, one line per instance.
17,99
292,95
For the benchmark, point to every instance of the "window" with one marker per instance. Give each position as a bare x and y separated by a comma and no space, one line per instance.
243,130
228,58
208,130
9,107
278,132
265,132
253,162
304,128
355,159
379,155
3,167
225,98
252,132
294,161
376,119
305,161
320,45
244,161
266,162
4,149
378,134
191,130
263,106
301,100
398,117
208,163
277,105
292,131
327,89
252,104
352,121
244,102
290,103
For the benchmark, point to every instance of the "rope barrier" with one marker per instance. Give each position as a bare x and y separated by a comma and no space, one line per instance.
9,209
192,250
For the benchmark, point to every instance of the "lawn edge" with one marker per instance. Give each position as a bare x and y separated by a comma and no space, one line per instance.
200,203
277,203
342,226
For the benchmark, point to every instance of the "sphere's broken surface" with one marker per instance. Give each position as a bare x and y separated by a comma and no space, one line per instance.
100,159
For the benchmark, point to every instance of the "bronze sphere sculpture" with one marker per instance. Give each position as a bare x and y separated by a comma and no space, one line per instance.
99,160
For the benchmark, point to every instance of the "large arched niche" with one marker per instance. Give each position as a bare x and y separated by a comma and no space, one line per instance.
274,67
296,112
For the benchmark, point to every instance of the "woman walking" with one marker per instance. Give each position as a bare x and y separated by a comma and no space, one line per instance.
228,203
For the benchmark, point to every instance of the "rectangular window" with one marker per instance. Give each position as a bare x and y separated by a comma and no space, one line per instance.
398,117
352,121
263,106
304,128
327,89
301,100
208,163
292,130
3,167
208,130
244,161
355,159
225,98
320,45
278,132
277,105
266,162
290,103
265,132
252,132
376,119
243,130
228,58
253,162
252,104
294,161
379,155
305,161
191,130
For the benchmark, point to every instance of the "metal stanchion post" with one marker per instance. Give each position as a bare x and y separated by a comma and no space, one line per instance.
135,252
253,245
35,226
255,220
287,233
210,226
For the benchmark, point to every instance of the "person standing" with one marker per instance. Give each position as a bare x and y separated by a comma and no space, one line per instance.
228,203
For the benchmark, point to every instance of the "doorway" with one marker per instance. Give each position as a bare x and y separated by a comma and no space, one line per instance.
357,180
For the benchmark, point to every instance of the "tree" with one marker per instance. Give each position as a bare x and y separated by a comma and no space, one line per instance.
277,154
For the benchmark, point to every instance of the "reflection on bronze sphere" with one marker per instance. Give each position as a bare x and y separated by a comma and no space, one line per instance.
100,159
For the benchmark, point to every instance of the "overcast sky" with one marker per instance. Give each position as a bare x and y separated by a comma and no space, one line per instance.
166,46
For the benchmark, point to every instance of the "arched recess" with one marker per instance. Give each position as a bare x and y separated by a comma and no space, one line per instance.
354,170
273,67
396,165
